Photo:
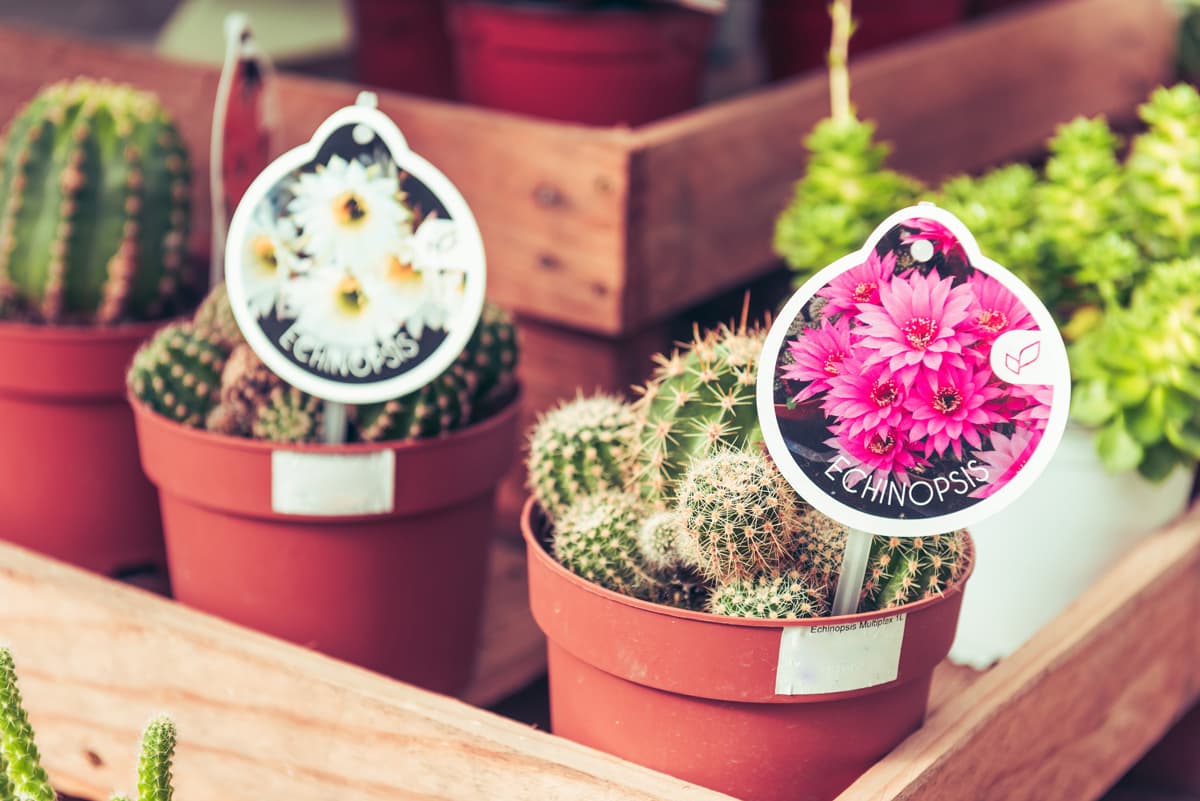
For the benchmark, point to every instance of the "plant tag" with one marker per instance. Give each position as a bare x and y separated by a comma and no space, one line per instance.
839,657
333,485
915,386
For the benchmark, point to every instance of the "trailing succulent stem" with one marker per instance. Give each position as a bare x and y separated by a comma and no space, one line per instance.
94,207
25,778
178,374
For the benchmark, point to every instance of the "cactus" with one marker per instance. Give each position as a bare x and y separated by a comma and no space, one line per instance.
246,386
596,538
682,588
215,318
905,570
23,765
490,359
289,417
820,545
738,516
774,596
178,374
94,207
658,541
154,766
579,448
437,408
699,401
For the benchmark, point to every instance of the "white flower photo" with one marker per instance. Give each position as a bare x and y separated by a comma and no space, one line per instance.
269,258
341,307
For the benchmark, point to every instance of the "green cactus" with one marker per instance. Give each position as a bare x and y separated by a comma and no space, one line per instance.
246,387
1163,174
178,374
820,545
596,538
903,570
289,417
94,207
490,359
774,596
580,447
435,409
738,516
154,766
26,780
215,318
698,401
658,541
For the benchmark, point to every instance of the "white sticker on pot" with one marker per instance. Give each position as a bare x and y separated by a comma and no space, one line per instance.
839,657
333,485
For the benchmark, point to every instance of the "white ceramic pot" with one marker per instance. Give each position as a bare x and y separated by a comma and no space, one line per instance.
1038,555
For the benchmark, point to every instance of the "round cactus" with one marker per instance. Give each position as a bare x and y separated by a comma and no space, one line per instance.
215,318
490,358
902,570
596,538
437,408
738,516
94,207
289,417
821,544
699,401
178,374
579,448
658,541
246,387
778,596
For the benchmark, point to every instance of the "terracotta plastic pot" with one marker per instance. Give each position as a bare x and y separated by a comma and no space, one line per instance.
393,582
71,486
695,695
596,67
404,45
796,33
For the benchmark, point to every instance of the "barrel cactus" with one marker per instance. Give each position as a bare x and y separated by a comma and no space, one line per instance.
178,374
903,570
596,538
490,358
214,316
289,417
774,596
94,208
820,546
437,408
246,386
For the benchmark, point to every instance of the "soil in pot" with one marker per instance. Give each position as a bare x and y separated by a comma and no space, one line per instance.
397,589
71,486
604,66
707,698
404,45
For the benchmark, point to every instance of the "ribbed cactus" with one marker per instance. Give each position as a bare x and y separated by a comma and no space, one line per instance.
699,400
246,386
490,358
1162,183
178,374
778,596
596,538
94,207
25,778
437,408
154,766
581,447
820,546
737,515
903,570
214,317
289,417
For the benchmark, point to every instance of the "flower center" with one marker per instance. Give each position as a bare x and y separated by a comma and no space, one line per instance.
881,445
919,332
264,252
401,272
992,320
833,362
947,400
348,208
884,392
865,291
350,296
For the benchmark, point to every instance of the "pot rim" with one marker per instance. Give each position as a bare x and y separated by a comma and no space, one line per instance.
82,333
535,546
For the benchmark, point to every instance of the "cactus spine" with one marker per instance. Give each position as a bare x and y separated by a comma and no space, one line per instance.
596,539
94,207
178,373
23,765
905,570
581,447
776,596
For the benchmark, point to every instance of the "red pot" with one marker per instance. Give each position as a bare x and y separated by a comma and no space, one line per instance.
597,67
694,695
71,485
397,588
404,45
796,33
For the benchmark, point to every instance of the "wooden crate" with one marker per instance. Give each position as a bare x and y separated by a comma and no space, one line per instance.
1063,718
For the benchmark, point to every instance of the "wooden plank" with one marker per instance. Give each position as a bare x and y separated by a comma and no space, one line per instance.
706,187
259,718
1069,713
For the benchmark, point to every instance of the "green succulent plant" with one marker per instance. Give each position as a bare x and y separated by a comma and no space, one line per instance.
904,570
773,596
596,538
178,374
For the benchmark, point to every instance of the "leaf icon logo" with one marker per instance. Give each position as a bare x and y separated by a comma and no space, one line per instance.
1023,358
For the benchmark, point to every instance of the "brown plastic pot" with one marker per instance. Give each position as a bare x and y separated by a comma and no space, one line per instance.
591,66
404,45
398,592
71,486
693,695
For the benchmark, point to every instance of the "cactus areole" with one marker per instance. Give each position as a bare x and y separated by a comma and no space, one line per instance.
355,268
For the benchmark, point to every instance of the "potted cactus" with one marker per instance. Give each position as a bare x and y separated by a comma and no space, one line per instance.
597,62
94,216
685,590
21,775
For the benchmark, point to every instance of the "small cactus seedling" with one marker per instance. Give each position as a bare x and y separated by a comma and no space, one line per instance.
737,515
905,570
700,400
178,374
581,447
25,778
214,317
437,408
94,207
596,538
778,596
290,417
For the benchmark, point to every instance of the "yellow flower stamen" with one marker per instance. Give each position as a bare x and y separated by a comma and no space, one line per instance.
264,252
350,296
349,209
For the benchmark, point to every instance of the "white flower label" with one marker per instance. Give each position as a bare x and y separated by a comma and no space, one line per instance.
333,485
355,268
839,656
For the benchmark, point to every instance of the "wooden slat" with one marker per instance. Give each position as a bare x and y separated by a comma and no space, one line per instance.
706,187
1071,711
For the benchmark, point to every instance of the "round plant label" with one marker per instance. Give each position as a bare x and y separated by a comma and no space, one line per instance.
915,386
354,267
